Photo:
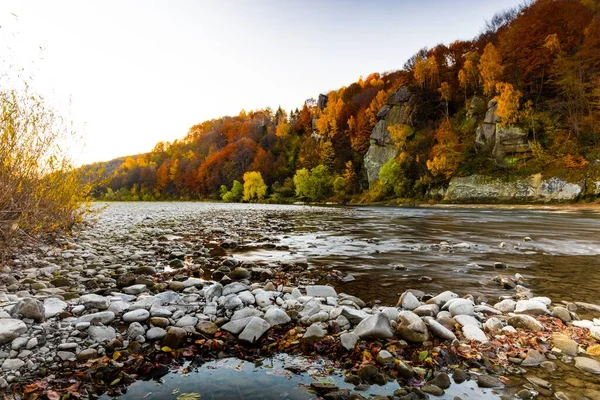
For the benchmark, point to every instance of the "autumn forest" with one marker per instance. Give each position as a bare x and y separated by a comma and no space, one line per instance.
538,65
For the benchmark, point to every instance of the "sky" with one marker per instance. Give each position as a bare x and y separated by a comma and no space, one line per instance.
131,73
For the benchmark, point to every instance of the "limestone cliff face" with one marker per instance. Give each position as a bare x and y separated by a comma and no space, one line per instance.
482,189
398,110
498,139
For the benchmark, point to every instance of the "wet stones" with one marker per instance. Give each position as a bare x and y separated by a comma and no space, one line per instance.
534,358
587,365
526,322
564,344
489,381
175,338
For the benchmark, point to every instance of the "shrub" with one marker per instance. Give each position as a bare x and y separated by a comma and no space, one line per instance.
254,186
39,190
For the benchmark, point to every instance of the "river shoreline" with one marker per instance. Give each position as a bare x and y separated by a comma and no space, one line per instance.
108,318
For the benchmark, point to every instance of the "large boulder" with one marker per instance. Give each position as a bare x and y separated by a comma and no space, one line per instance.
411,328
479,188
501,140
29,308
374,327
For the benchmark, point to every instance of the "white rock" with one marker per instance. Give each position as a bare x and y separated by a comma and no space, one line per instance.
94,301
320,291
348,340
255,328
506,306
465,320
12,364
408,301
187,320
136,316
531,307
247,298
472,332
461,307
246,312
104,317
438,330
156,333
584,323
102,333
135,289
442,298
237,325
11,328
314,332
275,316
374,327
53,307
544,300
119,307
493,325
595,332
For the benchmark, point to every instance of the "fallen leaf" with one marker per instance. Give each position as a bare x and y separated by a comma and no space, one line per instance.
189,396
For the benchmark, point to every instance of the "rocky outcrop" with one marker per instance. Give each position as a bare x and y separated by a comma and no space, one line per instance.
399,109
483,189
500,140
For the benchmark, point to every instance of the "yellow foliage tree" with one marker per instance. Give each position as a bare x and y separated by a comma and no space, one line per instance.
400,133
508,103
490,66
446,94
445,155
283,129
254,186
468,76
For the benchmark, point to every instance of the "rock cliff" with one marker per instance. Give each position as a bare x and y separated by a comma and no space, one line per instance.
482,189
500,140
399,109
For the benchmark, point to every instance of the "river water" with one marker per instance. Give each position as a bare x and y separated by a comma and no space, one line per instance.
386,250
389,249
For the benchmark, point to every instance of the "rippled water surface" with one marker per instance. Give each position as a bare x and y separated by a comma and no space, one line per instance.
561,261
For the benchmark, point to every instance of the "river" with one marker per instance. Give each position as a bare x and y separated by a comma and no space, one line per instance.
382,251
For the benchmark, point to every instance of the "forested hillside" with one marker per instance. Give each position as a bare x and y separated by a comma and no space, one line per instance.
523,97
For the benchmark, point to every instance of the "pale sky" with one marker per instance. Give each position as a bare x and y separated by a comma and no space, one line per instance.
131,73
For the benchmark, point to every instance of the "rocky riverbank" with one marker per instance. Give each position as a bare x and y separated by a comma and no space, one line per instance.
113,304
